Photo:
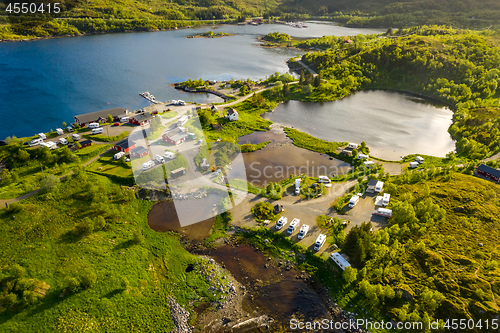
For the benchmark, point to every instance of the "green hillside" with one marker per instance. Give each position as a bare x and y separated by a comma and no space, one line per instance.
81,257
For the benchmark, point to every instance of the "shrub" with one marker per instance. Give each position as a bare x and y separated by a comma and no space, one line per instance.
124,283
17,271
84,228
138,237
263,210
88,279
99,223
72,284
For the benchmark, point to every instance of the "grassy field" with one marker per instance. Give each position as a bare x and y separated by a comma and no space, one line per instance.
169,114
27,176
249,121
65,270
106,138
107,164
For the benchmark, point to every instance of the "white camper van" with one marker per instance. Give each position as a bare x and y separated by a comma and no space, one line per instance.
69,129
319,242
119,155
419,159
354,200
159,159
124,119
324,179
97,131
59,131
413,165
63,141
297,186
35,142
281,222
169,155
303,231
293,225
42,136
75,137
93,125
148,165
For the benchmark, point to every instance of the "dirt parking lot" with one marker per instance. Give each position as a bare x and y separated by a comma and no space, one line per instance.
363,212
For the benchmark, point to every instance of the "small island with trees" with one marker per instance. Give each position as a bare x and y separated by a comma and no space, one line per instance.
211,34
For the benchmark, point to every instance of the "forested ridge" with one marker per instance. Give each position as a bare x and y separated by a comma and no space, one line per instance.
103,16
458,67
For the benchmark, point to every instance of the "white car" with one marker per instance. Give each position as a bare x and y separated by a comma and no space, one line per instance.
293,225
303,231
119,155
63,141
319,242
281,223
159,159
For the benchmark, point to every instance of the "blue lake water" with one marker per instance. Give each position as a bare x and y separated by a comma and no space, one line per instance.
44,83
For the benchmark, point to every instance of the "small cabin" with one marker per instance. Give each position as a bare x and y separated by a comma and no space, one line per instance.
139,152
232,114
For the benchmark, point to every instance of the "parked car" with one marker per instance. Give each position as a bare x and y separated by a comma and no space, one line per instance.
97,131
303,231
69,129
319,242
116,124
159,159
59,131
119,155
281,223
42,136
354,200
293,225
93,125
63,141
75,137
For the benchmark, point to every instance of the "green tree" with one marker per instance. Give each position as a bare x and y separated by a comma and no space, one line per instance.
23,155
307,89
78,145
72,284
302,78
350,274
99,223
17,271
138,237
124,284
50,182
110,118
354,153
263,210
64,125
286,89
88,278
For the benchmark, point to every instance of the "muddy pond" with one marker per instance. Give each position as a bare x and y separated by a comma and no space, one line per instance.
280,159
163,217
392,124
273,291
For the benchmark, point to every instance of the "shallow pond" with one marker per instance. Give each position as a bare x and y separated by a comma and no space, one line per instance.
280,159
392,124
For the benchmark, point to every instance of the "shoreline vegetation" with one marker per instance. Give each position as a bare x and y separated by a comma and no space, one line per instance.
436,258
211,34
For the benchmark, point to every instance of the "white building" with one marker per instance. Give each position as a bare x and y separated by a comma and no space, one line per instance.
232,114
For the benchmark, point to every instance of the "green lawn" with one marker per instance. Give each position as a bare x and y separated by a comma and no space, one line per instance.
169,114
107,164
124,270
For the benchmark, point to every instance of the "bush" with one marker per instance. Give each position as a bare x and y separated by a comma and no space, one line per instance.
17,271
84,228
72,284
88,279
99,223
124,283
138,237
263,211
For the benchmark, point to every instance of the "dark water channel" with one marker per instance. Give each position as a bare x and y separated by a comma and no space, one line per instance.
276,292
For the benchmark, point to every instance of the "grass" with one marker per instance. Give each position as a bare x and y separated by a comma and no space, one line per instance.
309,142
40,238
107,164
29,174
249,121
169,114
106,138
